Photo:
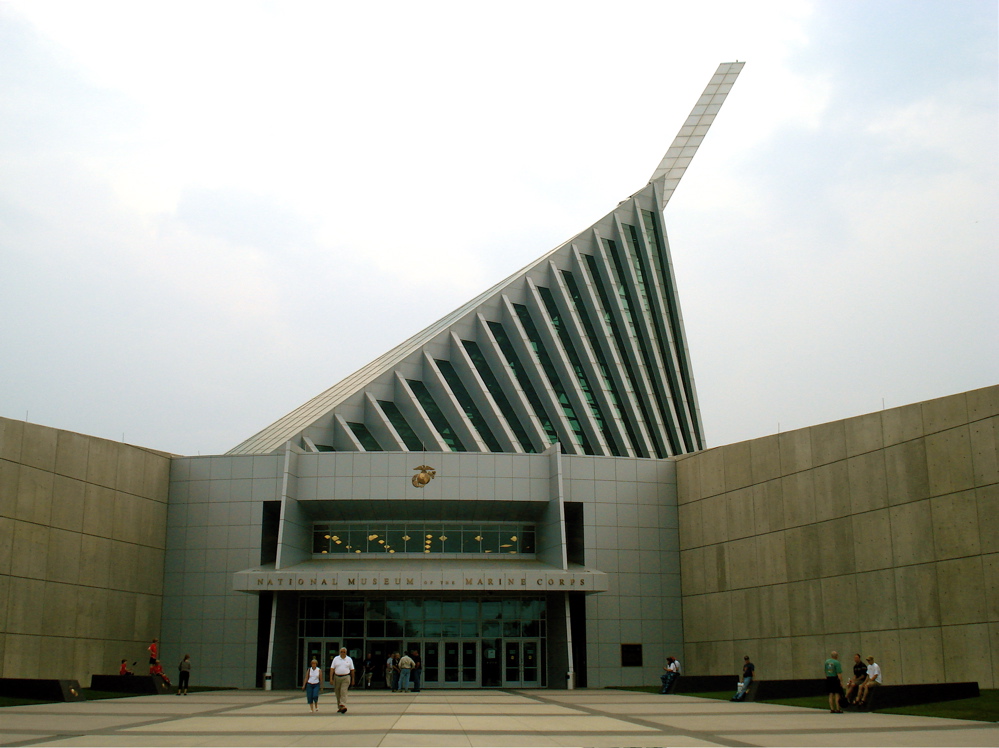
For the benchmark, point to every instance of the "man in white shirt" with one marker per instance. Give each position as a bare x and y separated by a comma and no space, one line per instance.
341,678
873,679
406,665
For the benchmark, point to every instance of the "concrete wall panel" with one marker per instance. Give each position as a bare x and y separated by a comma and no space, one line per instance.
872,540
63,496
961,582
902,424
795,451
912,533
886,530
864,434
955,525
985,451
967,654
738,466
948,461
905,470
765,454
832,491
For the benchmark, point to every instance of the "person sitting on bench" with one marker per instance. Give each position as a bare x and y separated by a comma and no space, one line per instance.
859,676
873,679
748,669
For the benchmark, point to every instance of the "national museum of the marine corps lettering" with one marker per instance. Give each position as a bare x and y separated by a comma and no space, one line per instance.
522,492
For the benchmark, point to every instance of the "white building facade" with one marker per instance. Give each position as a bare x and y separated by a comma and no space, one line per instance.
497,492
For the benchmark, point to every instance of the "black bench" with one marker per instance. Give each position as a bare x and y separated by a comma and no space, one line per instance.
701,683
889,697
129,684
41,689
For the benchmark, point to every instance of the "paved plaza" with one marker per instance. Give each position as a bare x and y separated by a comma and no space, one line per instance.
463,718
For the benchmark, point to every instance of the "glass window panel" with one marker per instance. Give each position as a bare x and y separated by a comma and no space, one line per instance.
452,540
511,628
469,628
413,609
393,628
532,628
394,610
414,628
377,538
471,540
357,540
334,607
432,628
492,629
320,541
313,607
353,609
470,610
432,608
527,542
333,628
353,629
394,539
376,609
491,610
313,628
530,608
449,628
376,628
452,610
511,610
431,539
339,539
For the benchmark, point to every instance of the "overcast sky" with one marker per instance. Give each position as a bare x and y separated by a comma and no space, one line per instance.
211,212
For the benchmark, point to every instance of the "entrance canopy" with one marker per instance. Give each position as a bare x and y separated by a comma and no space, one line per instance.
456,575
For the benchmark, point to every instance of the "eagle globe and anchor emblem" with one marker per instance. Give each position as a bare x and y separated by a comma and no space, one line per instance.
423,477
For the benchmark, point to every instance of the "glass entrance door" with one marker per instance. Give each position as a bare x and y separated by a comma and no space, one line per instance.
521,663
323,651
455,661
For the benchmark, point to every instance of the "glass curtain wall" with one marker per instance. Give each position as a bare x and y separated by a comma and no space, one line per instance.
464,642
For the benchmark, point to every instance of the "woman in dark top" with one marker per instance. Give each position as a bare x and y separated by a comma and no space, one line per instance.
185,675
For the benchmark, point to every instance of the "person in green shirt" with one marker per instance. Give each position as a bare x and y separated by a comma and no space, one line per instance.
834,681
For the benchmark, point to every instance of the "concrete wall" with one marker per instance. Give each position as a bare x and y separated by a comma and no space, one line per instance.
877,534
82,537
216,509
630,532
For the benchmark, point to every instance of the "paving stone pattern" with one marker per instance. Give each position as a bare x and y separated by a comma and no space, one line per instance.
459,718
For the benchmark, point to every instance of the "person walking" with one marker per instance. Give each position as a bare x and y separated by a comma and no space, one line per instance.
341,678
834,681
185,675
313,680
368,670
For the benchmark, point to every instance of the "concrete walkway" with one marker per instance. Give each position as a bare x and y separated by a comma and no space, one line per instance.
464,718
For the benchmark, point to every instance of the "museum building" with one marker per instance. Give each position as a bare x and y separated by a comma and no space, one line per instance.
521,492
495,492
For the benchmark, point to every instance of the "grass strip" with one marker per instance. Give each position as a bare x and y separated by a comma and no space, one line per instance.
985,708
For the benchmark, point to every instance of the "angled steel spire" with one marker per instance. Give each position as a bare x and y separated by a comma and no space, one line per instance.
585,346
685,144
